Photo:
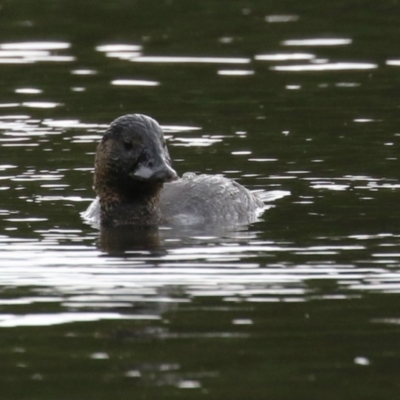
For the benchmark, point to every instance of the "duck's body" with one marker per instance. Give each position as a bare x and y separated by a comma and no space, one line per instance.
137,186
208,199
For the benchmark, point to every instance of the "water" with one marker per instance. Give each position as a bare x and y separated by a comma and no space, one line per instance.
298,98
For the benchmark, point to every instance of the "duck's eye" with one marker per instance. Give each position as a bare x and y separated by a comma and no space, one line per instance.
128,145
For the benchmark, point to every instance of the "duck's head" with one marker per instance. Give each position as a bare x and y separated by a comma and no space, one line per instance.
132,155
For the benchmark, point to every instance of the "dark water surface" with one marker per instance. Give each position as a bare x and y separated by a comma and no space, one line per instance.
286,96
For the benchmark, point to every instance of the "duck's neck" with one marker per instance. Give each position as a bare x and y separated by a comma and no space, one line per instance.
137,206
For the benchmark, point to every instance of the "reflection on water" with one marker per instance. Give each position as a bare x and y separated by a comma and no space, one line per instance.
317,42
235,72
210,60
132,82
284,57
12,321
299,98
227,264
120,240
32,52
281,18
325,67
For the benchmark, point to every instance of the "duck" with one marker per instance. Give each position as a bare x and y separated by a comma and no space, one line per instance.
137,186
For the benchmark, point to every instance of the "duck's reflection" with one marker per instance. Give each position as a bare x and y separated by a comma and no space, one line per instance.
119,240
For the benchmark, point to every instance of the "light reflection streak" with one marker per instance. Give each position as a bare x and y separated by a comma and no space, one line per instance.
35,46
32,52
281,18
14,117
239,249
317,42
48,319
71,123
40,104
61,198
20,145
284,57
195,142
23,53
118,47
395,63
339,66
9,60
134,82
123,55
28,91
236,72
84,72
54,59
330,186
9,105
6,166
36,177
179,128
201,60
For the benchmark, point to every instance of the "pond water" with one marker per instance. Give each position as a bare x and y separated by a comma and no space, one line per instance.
299,99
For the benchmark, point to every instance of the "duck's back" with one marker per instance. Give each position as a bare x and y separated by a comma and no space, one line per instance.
208,199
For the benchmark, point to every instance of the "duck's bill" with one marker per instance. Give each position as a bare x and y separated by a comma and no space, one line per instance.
162,174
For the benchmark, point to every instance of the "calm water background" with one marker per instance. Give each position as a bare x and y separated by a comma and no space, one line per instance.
300,97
